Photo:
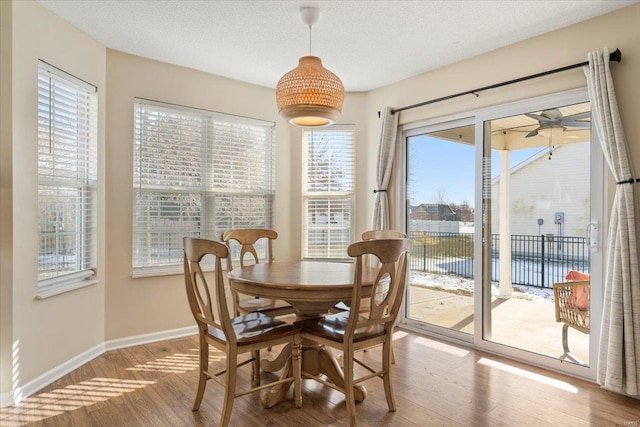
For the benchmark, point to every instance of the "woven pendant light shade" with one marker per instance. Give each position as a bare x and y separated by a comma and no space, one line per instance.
310,95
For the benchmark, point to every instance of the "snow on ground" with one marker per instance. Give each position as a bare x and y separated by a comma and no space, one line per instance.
461,285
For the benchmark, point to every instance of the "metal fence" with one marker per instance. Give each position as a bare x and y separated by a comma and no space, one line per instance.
535,260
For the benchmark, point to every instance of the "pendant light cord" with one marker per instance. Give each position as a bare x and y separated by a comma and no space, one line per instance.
310,40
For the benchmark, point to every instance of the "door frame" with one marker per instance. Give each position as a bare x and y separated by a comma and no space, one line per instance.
601,190
407,131
598,213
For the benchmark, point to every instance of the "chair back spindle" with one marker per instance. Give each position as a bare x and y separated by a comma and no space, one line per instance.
248,333
198,289
388,288
362,329
247,238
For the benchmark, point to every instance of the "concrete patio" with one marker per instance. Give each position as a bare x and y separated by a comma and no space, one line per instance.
527,324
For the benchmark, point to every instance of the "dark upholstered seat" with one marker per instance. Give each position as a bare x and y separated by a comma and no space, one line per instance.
357,329
234,336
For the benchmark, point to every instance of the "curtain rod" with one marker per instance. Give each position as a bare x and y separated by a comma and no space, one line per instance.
614,56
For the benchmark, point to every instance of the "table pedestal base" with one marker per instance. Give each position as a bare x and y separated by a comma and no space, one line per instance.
316,360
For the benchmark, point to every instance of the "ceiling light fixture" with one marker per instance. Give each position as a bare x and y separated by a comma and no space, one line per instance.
310,95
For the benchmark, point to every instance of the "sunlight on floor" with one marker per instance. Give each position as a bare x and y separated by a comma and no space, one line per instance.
15,370
69,398
440,346
530,375
86,393
178,363
398,335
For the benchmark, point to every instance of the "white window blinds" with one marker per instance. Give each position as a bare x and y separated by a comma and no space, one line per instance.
67,180
196,173
328,191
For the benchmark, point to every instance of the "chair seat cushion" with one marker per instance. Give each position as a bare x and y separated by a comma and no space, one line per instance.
579,297
333,326
255,327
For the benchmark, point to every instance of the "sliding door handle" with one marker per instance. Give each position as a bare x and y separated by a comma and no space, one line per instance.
592,234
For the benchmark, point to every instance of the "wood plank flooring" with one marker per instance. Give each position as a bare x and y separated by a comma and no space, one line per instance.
436,384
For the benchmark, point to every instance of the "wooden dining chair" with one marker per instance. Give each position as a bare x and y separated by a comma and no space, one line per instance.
370,260
356,329
234,336
383,234
372,235
245,241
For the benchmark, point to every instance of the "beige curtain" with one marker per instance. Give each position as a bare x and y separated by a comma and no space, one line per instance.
386,151
619,358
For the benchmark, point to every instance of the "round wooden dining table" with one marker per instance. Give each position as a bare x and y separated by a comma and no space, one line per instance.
312,288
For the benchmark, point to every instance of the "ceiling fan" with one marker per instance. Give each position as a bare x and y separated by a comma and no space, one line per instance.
553,118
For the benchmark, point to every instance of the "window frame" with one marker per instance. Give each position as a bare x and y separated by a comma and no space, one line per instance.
214,188
347,196
67,122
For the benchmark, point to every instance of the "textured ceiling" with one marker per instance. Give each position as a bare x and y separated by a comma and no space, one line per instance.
368,44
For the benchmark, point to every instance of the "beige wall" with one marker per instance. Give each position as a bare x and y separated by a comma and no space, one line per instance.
556,49
6,217
152,304
46,333
64,326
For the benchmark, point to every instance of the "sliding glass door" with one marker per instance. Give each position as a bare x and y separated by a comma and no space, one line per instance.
440,223
541,216
505,214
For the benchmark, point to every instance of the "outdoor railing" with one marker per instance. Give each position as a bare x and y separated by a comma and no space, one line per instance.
535,260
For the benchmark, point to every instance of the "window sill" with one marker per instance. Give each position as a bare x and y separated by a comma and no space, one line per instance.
156,272
64,288
345,260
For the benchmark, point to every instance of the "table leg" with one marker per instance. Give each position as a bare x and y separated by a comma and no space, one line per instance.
316,360
277,363
319,360
275,394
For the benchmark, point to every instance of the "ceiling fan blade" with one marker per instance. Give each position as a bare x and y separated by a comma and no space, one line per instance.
576,123
578,116
540,118
534,116
532,133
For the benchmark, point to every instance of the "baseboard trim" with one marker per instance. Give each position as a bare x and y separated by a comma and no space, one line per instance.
6,399
22,392
149,338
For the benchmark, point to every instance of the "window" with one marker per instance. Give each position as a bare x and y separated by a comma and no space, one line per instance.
196,173
67,181
328,183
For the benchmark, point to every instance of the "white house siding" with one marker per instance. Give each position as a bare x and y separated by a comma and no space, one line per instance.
541,187
435,226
